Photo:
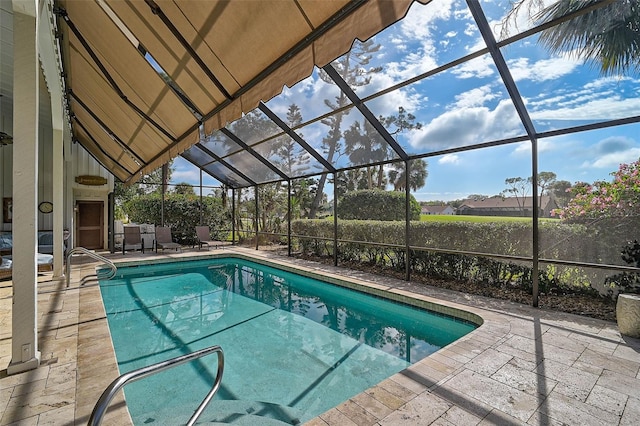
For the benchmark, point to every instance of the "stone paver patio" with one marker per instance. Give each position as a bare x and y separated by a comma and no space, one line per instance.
521,366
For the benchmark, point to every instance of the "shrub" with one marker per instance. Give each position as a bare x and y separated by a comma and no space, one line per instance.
557,241
627,282
376,205
182,215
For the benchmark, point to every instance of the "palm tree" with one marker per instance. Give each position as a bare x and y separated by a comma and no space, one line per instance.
607,35
417,175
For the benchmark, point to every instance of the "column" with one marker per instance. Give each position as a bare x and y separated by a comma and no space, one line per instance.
58,201
24,349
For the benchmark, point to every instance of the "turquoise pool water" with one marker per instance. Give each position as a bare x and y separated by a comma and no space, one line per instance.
294,346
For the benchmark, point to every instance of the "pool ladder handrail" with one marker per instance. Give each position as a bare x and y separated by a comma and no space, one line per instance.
94,255
102,405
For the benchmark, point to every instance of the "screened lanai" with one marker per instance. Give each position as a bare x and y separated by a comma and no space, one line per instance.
257,93
468,88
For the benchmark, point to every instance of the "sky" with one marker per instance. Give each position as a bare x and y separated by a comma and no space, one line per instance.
469,104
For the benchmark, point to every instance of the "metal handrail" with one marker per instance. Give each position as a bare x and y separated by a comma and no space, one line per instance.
96,256
101,406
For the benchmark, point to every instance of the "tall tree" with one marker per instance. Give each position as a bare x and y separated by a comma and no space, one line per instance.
365,145
184,188
290,157
545,180
417,175
560,191
519,187
352,67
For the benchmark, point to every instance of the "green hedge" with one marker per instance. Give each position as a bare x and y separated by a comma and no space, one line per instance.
375,204
558,240
181,214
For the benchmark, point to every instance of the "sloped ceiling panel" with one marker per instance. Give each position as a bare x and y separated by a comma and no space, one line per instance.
224,56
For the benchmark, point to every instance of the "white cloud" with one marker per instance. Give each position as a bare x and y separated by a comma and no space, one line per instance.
419,21
449,159
613,160
191,176
523,149
594,110
475,97
388,104
417,28
608,82
414,63
519,21
466,126
610,152
542,70
476,68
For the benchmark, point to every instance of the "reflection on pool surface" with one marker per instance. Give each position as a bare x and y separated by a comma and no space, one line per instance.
294,346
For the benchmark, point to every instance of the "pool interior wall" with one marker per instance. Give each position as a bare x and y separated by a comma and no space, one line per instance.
280,366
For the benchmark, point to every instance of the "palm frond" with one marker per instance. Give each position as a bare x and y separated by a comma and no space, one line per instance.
608,36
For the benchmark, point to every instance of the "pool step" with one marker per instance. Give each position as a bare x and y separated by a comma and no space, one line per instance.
250,413
239,413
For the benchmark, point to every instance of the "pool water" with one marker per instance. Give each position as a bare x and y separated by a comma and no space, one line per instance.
294,346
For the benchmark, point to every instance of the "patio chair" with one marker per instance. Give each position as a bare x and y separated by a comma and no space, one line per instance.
164,239
132,239
45,264
203,236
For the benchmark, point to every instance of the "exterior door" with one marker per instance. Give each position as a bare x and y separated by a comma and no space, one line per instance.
90,224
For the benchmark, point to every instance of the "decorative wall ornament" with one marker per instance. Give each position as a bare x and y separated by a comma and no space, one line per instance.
91,180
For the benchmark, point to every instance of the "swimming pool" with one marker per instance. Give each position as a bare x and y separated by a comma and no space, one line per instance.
294,346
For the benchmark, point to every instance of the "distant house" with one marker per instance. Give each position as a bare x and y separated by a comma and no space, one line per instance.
506,206
440,209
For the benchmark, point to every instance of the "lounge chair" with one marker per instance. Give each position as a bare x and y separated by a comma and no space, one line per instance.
203,236
164,239
45,264
132,239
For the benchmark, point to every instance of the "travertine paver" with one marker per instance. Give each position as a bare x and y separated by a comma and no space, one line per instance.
631,413
607,400
424,409
524,380
488,362
572,382
522,366
573,412
495,394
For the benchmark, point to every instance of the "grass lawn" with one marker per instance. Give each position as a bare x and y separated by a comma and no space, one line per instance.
477,219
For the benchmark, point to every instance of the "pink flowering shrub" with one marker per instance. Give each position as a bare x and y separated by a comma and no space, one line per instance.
618,198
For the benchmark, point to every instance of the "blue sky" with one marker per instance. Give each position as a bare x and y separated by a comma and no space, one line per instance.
469,104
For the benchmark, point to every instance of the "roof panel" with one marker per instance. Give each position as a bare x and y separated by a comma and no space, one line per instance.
251,167
86,126
220,144
467,105
92,90
167,50
255,126
229,177
137,79
289,156
115,167
253,48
